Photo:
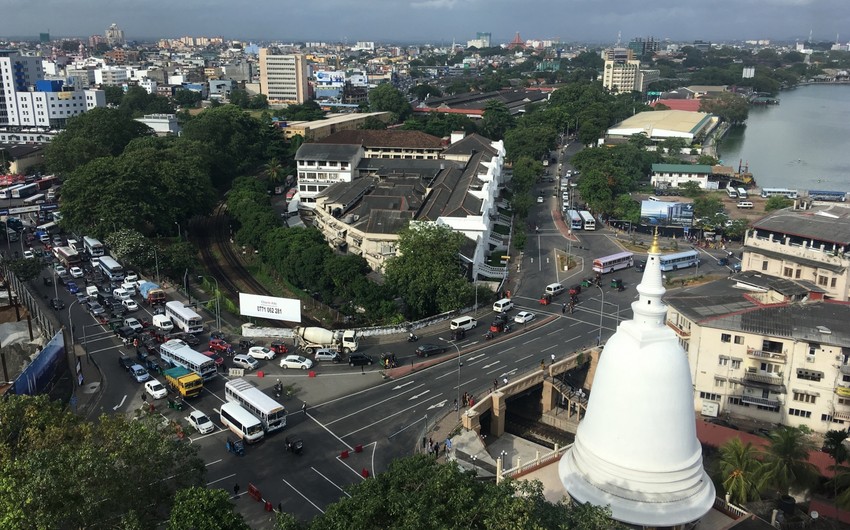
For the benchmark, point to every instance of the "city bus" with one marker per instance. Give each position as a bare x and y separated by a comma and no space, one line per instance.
35,199
732,192
614,262
588,220
93,247
24,191
679,260
742,193
575,220
178,353
111,268
68,256
824,195
6,193
184,317
241,422
271,413
767,193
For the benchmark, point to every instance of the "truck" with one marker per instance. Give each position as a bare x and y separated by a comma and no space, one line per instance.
151,293
184,381
311,339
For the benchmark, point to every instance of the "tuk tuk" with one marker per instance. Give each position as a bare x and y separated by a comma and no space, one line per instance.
294,445
235,446
546,299
458,334
279,347
576,289
617,283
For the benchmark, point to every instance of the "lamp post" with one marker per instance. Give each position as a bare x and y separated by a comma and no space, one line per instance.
217,306
459,364
601,313
156,260
179,232
71,322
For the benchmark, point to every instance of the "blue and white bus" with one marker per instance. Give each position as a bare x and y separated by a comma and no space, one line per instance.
271,413
6,193
825,195
588,220
679,260
178,353
111,268
575,220
767,193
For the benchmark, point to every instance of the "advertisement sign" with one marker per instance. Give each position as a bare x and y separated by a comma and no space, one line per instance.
333,79
662,213
254,305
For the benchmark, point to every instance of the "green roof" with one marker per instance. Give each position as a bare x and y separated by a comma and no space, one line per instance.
681,168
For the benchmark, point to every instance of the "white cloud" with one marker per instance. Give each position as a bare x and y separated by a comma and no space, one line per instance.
434,4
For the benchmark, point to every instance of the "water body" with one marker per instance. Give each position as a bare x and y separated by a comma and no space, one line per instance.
802,143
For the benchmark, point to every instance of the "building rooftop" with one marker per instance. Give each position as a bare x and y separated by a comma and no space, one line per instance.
676,121
681,168
689,105
828,223
327,152
469,144
385,138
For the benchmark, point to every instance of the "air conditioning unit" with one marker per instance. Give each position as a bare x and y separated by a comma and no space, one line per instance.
810,358
839,357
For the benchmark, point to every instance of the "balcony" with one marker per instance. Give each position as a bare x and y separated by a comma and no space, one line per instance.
841,416
762,354
492,272
772,403
679,331
842,391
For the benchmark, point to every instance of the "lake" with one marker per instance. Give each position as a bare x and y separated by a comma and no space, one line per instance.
802,143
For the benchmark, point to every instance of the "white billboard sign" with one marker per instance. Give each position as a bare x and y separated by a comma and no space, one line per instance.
254,305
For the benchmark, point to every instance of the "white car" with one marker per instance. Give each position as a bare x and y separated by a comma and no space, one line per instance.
76,272
130,305
134,324
28,254
58,268
131,277
540,198
524,316
200,422
261,352
296,361
246,362
155,389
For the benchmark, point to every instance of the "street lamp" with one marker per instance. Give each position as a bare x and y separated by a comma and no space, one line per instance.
217,297
179,232
601,313
459,364
71,322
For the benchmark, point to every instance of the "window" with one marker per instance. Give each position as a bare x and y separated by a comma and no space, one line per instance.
736,364
825,417
797,274
764,265
844,401
709,396
725,337
739,339
809,375
833,282
723,361
823,281
788,272
734,401
804,397
799,412
719,383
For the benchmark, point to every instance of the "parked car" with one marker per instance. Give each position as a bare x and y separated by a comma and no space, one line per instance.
96,309
200,422
125,362
261,352
245,361
134,324
57,304
426,350
72,287
359,359
188,338
59,268
523,317
296,361
155,389
219,345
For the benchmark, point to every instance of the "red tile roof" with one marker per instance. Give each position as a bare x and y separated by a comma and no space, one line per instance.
690,105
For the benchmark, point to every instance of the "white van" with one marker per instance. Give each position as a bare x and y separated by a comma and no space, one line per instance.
120,294
554,289
464,323
130,287
163,322
745,204
91,291
503,306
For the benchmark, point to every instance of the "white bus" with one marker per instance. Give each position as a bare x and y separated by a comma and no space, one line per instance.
767,193
271,413
68,256
588,220
614,262
35,199
93,247
111,268
184,317
679,260
241,422
6,193
742,193
27,190
575,220
732,192
178,353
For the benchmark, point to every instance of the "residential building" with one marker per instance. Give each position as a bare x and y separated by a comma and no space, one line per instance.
283,77
807,242
621,72
320,165
162,124
390,143
674,175
111,75
481,40
766,348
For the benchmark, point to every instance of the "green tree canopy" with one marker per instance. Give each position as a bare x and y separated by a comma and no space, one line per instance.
732,108
387,98
533,142
26,269
740,470
136,102
777,202
786,460
424,90
496,120
202,508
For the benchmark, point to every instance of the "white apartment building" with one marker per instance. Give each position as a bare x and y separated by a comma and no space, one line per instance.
17,74
806,242
767,349
111,75
52,109
283,77
320,165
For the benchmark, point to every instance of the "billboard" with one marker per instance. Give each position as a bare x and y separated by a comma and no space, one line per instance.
663,213
254,305
38,376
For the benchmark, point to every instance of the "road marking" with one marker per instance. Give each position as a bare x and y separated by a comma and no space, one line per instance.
418,395
103,349
320,424
341,461
550,347
475,357
444,375
304,496
532,340
208,464
326,478
491,364
496,370
404,385
385,418
375,404
507,349
219,480
523,358
512,372
123,399
441,404
554,332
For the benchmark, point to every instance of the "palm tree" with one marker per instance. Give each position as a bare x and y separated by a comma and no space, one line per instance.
274,171
741,471
841,482
786,463
833,444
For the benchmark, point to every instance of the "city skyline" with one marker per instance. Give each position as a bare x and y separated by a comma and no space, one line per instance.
435,20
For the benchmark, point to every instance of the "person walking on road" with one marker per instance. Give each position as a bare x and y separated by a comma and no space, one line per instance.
236,490
304,408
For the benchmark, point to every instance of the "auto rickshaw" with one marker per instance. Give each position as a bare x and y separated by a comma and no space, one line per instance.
279,348
294,445
458,334
576,289
617,283
546,299
235,446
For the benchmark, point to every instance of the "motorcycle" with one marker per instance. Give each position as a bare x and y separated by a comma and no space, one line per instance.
412,337
488,335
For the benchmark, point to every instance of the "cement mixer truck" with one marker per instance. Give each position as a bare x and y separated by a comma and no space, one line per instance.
311,339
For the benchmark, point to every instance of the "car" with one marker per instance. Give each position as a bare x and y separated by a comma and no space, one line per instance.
76,272
200,422
82,297
134,324
57,241
130,305
125,362
188,338
722,262
245,361
640,265
63,278
540,199
359,359
59,268
261,352
57,304
72,287
217,359
426,350
96,309
737,267
155,389
296,361
219,345
524,316
327,355
131,277
28,254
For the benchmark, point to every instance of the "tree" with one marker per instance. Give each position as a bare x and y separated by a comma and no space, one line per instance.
533,142
777,202
59,471
786,460
137,102
691,189
201,508
97,133
427,274
417,492
730,107
424,91
26,269
373,123
187,98
707,206
387,98
274,171
496,120
741,471
114,94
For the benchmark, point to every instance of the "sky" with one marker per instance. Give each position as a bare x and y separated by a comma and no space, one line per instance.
433,21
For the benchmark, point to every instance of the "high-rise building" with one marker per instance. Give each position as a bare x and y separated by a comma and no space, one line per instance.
283,77
636,450
114,35
621,72
641,46
481,40
17,73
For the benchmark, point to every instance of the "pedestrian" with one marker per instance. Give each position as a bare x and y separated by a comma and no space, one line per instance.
236,490
505,380
542,364
455,404
553,358
436,449
430,442
471,400
564,308
448,446
495,384
424,442
304,408
279,508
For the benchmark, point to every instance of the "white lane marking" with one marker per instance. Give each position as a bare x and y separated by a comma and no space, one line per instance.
490,365
219,480
374,404
550,347
439,405
385,418
466,383
302,495
404,385
123,399
415,396
532,340
523,358
475,357
320,424
329,480
208,464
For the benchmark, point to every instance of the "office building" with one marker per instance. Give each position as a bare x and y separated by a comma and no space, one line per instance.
621,72
114,35
283,77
